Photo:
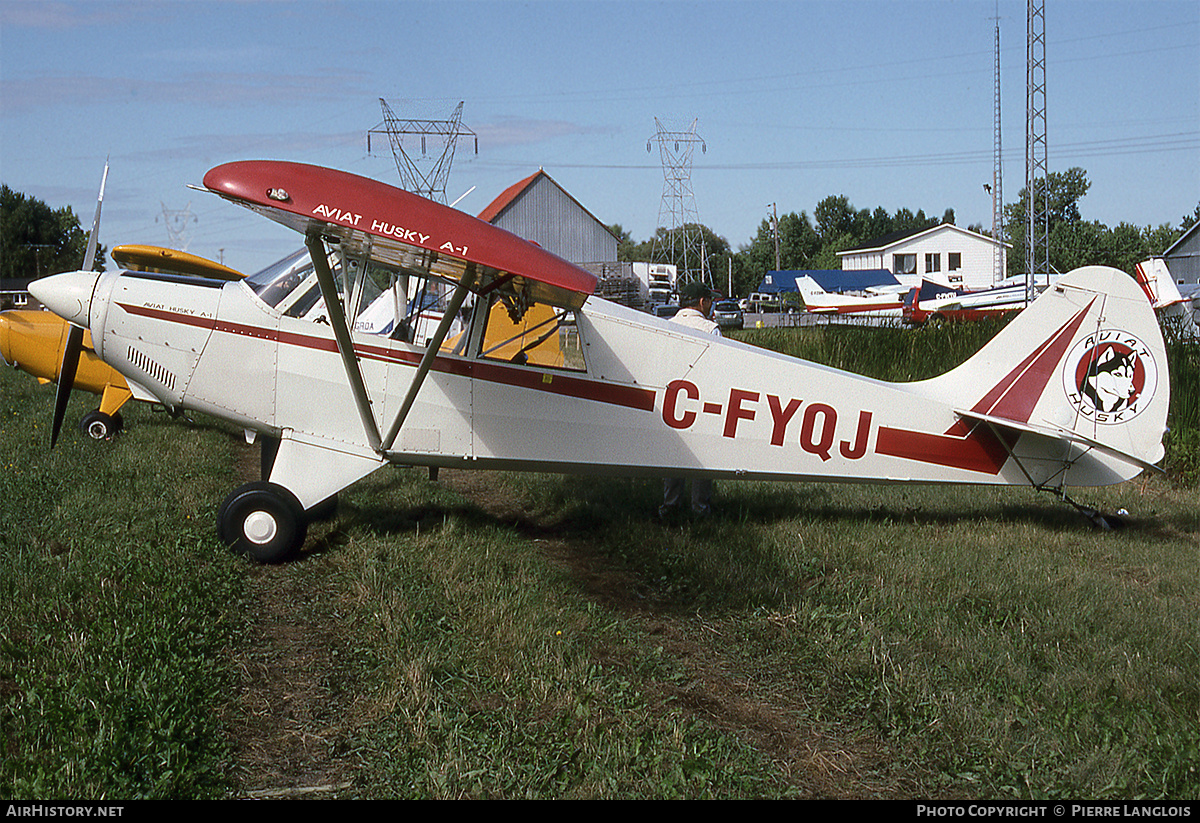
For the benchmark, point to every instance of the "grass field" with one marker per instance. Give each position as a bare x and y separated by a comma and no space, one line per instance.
544,636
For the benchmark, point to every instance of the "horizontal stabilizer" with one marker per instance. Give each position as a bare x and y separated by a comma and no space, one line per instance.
1056,433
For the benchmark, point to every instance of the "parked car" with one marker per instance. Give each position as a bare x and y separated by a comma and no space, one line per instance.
727,314
666,310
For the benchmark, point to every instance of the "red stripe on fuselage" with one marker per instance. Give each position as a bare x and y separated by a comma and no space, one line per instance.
980,450
975,446
492,372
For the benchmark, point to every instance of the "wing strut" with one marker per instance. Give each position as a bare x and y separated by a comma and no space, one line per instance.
431,351
341,333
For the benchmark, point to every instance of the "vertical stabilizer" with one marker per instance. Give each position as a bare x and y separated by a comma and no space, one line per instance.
1085,362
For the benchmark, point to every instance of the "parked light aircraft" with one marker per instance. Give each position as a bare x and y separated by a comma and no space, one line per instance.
543,376
34,341
1180,302
934,301
876,301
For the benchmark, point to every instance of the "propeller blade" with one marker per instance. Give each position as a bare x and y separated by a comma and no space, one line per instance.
90,257
66,379
74,346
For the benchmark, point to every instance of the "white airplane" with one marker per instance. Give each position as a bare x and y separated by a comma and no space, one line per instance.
934,301
875,301
1179,302
546,377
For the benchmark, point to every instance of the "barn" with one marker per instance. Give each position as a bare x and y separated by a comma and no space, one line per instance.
539,209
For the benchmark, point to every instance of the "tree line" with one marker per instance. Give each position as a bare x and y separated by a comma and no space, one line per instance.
836,226
36,240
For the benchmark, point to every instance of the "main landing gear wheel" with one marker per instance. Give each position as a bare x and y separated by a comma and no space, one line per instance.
263,521
100,426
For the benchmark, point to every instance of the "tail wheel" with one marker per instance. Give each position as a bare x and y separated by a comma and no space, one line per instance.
263,521
100,426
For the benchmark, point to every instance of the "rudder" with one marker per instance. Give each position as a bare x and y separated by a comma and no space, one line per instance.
1085,362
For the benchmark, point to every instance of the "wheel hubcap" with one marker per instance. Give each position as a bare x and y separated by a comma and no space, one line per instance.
260,527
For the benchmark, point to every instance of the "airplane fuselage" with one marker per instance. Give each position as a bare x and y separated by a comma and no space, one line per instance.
527,370
654,398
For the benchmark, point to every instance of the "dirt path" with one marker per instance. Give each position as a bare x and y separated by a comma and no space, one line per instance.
288,723
818,761
291,722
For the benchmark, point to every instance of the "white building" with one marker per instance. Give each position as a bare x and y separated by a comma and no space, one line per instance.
1183,257
945,253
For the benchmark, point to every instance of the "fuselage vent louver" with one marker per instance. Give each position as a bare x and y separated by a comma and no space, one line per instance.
151,368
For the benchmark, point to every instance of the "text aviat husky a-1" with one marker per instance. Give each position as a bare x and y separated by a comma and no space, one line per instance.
455,344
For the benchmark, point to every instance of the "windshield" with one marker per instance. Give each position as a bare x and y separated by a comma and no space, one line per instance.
290,284
382,302
278,279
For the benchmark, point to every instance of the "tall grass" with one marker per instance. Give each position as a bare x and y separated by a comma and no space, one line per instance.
1183,439
116,614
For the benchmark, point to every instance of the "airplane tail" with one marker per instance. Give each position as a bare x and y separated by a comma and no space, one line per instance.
810,291
1084,363
1155,279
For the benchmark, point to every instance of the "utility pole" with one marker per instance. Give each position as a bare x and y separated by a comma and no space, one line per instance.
775,233
1037,216
997,176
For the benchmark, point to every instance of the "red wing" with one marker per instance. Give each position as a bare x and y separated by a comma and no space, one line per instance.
400,229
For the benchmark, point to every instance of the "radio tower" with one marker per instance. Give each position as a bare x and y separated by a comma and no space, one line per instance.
997,176
1037,216
431,184
683,245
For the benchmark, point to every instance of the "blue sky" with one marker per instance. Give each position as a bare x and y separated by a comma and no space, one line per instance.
888,103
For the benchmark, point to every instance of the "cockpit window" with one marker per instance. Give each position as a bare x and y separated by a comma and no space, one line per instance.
399,306
290,285
277,280
539,335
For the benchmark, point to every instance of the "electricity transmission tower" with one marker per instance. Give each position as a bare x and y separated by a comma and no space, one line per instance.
997,177
683,244
177,222
1037,215
431,183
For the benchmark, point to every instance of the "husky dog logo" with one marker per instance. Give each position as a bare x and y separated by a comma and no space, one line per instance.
1110,376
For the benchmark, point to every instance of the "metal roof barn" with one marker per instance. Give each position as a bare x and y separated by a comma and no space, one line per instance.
540,210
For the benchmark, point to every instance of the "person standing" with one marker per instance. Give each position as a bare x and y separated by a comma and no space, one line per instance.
695,301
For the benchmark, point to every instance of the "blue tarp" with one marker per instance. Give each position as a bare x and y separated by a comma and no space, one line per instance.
831,280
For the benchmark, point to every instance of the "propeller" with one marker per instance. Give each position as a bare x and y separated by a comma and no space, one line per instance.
74,347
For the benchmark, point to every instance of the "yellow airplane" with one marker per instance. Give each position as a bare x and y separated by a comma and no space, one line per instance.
33,340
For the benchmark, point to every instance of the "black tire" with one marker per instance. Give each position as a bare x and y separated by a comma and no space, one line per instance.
99,426
262,521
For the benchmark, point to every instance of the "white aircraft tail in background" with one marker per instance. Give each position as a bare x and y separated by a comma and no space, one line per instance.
1179,303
